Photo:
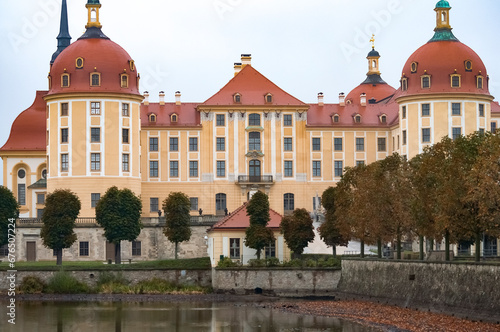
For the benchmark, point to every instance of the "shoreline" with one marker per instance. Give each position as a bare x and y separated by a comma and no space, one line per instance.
382,316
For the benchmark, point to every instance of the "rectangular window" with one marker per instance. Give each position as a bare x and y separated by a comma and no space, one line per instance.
426,82
153,144
287,120
193,169
220,120
493,127
221,169
39,213
125,137
40,198
455,81
403,112
221,144
455,108
21,194
270,250
287,144
4,250
125,109
337,144
316,168
125,163
254,141
338,168
360,144
288,168
426,109
382,146
136,248
94,198
95,135
481,110
84,248
426,135
360,162
95,108
174,144
174,169
456,133
234,248
153,169
193,143
64,109
64,135
481,131
64,162
316,144
194,203
153,204
95,161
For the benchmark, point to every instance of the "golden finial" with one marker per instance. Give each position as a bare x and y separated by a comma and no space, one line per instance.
372,40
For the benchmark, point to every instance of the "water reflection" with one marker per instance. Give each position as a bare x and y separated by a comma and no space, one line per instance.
156,317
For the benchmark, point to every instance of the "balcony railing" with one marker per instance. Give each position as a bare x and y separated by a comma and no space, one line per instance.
255,179
204,219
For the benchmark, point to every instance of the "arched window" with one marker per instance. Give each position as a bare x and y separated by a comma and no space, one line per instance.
336,118
95,79
237,98
174,118
65,80
289,202
456,81
404,84
254,141
357,118
426,82
383,119
269,98
124,81
254,119
152,118
220,203
479,82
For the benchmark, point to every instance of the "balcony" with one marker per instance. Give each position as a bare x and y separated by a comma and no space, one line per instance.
260,179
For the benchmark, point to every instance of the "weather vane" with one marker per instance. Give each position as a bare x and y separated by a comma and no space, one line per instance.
372,40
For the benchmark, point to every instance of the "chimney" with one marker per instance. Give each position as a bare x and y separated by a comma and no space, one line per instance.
363,99
246,59
237,68
342,99
320,99
177,98
162,98
146,98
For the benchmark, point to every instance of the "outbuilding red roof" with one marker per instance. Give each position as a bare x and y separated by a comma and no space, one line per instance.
238,219
253,87
29,128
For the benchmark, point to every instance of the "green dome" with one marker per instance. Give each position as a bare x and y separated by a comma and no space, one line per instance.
443,4
93,2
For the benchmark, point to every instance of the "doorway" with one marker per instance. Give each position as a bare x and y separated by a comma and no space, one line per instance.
31,251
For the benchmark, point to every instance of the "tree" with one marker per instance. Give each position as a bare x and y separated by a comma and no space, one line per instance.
9,208
177,229
119,213
61,210
257,235
297,230
330,231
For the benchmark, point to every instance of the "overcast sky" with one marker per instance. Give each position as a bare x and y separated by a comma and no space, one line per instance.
305,47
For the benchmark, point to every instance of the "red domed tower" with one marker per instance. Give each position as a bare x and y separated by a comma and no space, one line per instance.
444,90
93,119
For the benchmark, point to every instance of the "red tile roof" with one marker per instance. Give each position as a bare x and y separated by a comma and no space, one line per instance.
238,220
495,108
252,86
187,115
29,129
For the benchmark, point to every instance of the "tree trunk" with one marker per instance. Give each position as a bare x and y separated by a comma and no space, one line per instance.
478,247
258,254
379,248
398,246
176,249
59,257
421,247
362,249
118,256
432,244
447,246
334,250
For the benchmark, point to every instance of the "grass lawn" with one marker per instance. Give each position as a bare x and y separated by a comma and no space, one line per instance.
185,264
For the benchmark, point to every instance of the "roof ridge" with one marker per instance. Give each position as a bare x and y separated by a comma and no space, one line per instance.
229,216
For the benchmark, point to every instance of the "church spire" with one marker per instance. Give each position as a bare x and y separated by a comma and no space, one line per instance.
63,39
443,27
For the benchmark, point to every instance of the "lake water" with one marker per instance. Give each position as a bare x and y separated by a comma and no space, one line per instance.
165,317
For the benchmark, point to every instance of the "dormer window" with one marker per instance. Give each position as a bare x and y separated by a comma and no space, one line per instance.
237,98
383,119
414,67
348,102
65,80
404,84
173,118
79,63
468,65
479,81
132,65
95,79
152,117
269,98
336,118
357,118
456,81
124,81
426,82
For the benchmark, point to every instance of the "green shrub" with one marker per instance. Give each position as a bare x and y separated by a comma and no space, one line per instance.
64,283
160,286
292,263
32,285
272,261
227,262
112,283
257,263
